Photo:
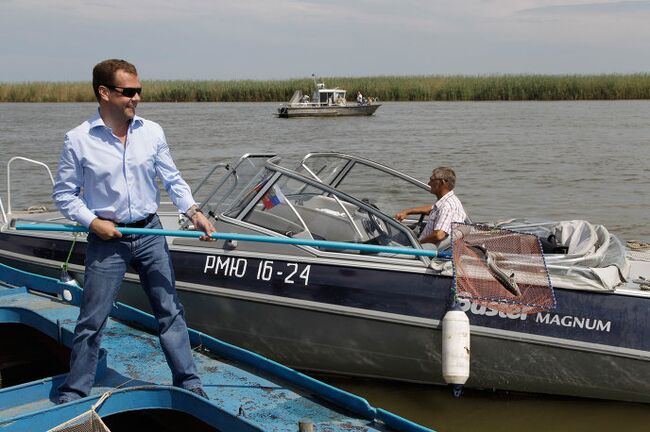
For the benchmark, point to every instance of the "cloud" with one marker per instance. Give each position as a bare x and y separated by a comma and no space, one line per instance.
261,39
619,8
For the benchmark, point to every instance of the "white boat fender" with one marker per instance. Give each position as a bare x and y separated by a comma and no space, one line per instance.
455,348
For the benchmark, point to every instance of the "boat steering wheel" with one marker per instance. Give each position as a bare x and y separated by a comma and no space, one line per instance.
418,226
375,224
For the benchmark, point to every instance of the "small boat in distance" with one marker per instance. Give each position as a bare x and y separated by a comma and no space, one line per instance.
326,102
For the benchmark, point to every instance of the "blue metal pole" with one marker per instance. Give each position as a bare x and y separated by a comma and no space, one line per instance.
247,237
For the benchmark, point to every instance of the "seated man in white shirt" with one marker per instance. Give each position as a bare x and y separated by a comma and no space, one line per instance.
444,212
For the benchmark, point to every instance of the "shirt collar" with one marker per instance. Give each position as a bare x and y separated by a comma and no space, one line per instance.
97,121
445,197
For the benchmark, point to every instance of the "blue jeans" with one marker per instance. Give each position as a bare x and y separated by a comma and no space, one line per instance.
106,264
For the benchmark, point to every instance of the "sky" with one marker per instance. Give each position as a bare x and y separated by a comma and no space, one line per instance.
61,40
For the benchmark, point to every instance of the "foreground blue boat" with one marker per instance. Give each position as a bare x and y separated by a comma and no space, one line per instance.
247,392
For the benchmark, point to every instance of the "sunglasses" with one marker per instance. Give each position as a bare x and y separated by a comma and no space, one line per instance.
125,91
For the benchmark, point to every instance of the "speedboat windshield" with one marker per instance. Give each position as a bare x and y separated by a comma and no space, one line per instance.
381,186
218,192
287,203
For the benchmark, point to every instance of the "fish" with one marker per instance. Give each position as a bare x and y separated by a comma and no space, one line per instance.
508,282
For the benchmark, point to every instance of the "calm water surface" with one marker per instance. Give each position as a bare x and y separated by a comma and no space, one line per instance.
558,160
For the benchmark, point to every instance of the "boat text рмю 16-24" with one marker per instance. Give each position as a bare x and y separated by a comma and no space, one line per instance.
237,267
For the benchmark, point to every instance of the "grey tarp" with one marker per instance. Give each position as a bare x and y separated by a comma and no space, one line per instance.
596,259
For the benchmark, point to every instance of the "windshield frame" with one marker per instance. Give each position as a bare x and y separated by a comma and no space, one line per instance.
279,171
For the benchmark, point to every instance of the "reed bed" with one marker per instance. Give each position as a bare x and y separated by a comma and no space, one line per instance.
385,88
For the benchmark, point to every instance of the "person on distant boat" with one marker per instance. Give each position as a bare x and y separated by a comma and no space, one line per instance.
107,179
359,98
446,210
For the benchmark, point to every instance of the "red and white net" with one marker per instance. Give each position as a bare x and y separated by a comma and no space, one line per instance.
501,269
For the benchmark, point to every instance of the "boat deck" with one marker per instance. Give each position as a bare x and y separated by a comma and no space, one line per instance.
247,392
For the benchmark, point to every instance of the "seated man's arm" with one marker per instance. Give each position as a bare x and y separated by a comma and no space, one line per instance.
435,237
415,210
440,227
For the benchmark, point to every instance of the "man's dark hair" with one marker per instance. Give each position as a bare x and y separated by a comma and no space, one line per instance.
104,72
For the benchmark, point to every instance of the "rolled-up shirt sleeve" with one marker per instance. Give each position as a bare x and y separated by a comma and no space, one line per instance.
67,187
178,190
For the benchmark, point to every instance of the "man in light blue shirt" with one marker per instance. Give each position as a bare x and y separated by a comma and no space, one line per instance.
107,178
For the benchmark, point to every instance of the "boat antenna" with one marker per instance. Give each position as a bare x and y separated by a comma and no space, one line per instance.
313,76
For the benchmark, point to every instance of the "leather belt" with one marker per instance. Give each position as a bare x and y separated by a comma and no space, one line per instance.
137,224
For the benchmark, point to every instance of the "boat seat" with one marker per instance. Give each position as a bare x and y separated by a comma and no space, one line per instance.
329,226
323,224
273,220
